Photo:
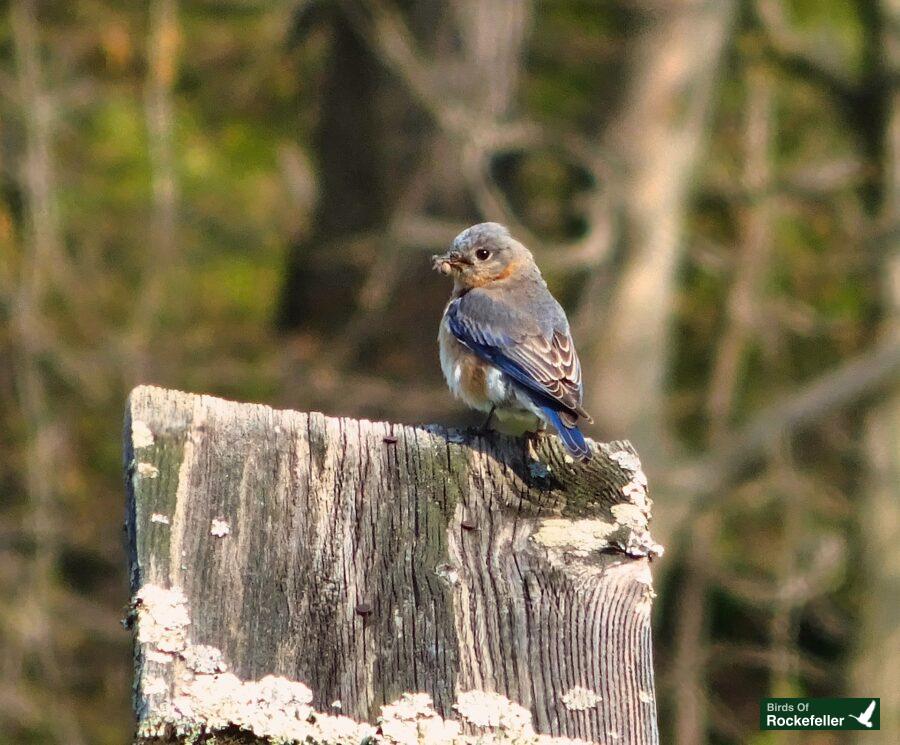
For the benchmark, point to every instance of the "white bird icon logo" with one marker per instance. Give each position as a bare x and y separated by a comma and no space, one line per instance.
865,718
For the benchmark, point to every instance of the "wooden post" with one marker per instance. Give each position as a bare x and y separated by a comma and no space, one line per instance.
301,578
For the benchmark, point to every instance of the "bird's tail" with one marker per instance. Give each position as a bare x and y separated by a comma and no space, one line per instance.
570,436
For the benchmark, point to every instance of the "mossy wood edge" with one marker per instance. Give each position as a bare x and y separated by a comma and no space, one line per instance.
301,578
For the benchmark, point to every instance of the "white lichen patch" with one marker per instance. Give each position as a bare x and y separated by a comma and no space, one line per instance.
630,515
161,618
628,462
637,495
141,436
338,730
158,517
269,706
636,488
163,658
645,697
155,686
408,708
578,537
639,542
634,518
412,719
274,708
485,709
202,658
147,470
219,528
580,699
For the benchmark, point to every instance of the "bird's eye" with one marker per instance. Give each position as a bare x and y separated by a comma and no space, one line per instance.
482,253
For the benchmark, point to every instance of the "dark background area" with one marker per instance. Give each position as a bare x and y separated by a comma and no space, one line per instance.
241,198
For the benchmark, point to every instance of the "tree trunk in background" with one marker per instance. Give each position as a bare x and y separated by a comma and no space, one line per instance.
877,665
43,269
493,37
353,194
658,138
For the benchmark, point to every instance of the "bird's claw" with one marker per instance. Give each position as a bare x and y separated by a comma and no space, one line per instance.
485,428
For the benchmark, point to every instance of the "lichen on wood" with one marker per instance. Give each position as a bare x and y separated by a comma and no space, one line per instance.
434,584
206,701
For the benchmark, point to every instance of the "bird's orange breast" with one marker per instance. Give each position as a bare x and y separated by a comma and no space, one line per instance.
466,374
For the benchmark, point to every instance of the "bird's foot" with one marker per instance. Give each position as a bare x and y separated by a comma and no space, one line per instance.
485,428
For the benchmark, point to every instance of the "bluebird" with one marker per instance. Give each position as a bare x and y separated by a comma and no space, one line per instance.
504,339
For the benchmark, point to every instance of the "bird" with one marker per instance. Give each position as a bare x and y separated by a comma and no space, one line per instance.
505,343
865,719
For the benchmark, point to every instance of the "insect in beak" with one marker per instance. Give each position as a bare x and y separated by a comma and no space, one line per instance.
448,262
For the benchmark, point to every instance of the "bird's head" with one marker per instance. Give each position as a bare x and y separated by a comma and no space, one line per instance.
484,254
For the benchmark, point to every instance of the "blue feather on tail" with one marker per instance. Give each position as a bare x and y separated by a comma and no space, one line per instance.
570,436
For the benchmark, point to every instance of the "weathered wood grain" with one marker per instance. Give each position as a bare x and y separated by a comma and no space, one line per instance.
366,560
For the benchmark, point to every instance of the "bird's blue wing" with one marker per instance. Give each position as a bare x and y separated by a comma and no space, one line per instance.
541,359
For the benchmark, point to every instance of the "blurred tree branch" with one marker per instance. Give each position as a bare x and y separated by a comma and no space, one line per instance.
753,255
708,477
788,49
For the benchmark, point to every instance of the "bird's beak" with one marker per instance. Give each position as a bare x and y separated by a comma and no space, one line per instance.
448,262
